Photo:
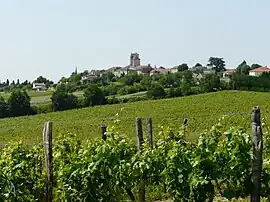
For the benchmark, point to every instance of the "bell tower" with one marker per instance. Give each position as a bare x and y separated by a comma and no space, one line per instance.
135,60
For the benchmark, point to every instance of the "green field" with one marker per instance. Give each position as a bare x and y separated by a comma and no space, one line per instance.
36,97
202,111
40,97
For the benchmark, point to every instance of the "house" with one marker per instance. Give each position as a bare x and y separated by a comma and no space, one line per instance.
41,87
209,71
91,75
97,73
159,70
174,69
142,69
259,71
228,72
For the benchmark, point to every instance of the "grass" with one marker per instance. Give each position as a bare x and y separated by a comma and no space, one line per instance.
40,97
202,111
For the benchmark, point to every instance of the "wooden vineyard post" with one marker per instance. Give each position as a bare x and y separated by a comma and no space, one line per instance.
140,149
103,131
47,140
149,132
257,142
185,126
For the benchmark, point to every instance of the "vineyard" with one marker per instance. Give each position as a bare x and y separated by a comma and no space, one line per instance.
217,165
214,163
202,111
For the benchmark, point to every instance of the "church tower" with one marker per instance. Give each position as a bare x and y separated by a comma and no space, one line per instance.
135,60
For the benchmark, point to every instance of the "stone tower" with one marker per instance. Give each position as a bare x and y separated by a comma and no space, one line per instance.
135,60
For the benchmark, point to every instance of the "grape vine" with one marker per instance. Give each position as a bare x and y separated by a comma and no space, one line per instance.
217,164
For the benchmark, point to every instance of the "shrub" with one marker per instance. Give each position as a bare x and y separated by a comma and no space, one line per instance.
156,91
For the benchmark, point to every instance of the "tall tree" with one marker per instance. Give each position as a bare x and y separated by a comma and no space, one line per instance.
198,65
218,64
61,100
93,95
209,83
19,103
255,66
7,82
243,68
4,109
182,67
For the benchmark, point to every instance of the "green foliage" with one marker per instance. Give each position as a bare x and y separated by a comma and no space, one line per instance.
219,163
243,68
175,92
210,83
125,90
255,66
218,64
43,108
202,111
4,108
253,83
93,95
182,67
130,79
22,174
155,91
19,104
61,100
42,79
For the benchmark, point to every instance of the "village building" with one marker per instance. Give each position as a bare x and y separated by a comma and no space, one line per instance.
41,87
159,70
228,72
259,71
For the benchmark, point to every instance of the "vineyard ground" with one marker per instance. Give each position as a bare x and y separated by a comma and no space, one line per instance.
202,111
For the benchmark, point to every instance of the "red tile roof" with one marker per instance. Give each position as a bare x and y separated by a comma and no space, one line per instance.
230,71
261,69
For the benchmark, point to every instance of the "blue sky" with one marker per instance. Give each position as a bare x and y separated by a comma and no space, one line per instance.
51,37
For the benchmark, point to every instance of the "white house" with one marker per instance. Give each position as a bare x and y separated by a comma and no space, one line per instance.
39,87
174,69
259,71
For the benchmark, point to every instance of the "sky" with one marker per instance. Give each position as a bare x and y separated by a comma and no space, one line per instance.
52,37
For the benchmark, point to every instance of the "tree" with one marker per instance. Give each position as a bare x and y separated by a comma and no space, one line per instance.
156,91
44,80
243,68
63,80
255,66
182,67
75,78
41,79
198,65
130,79
187,76
61,100
185,88
18,82
209,83
4,108
7,82
218,64
19,103
93,95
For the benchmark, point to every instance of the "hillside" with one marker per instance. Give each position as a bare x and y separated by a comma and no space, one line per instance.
202,112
